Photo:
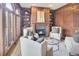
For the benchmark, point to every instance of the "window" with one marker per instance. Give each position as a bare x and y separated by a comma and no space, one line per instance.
11,28
9,6
6,30
14,20
17,11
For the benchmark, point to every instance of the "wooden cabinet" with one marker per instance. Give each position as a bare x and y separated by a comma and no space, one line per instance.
68,17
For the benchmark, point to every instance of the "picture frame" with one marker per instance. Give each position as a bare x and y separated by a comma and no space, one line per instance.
40,17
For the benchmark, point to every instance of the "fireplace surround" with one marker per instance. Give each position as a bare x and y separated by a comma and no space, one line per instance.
40,20
41,29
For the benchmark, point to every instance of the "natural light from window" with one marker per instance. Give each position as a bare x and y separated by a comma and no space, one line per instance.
9,6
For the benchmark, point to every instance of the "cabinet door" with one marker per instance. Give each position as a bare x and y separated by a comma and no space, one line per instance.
59,17
68,19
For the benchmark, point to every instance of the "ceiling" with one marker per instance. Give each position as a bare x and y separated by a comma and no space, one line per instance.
53,6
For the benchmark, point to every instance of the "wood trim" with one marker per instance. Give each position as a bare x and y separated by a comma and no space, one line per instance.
69,17
64,6
40,7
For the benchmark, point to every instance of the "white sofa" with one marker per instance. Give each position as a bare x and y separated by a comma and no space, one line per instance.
32,48
72,46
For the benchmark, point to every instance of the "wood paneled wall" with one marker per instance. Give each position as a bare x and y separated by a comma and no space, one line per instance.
68,17
34,17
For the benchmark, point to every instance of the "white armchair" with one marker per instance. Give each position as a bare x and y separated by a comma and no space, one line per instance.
28,32
68,43
55,36
72,46
32,48
56,32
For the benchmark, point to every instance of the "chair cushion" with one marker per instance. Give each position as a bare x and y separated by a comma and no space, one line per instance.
40,39
55,30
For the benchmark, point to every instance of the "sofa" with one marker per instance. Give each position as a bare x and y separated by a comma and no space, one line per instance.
72,46
32,48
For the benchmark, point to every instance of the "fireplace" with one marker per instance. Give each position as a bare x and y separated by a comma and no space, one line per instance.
41,29
41,32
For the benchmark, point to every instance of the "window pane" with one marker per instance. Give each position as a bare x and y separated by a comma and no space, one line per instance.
6,30
18,25
9,6
9,31
17,11
12,27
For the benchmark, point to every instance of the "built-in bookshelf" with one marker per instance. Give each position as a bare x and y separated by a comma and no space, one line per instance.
26,17
52,18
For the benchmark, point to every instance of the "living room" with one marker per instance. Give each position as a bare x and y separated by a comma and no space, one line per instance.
58,26
39,29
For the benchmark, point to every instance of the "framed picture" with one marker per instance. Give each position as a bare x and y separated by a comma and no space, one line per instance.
40,17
